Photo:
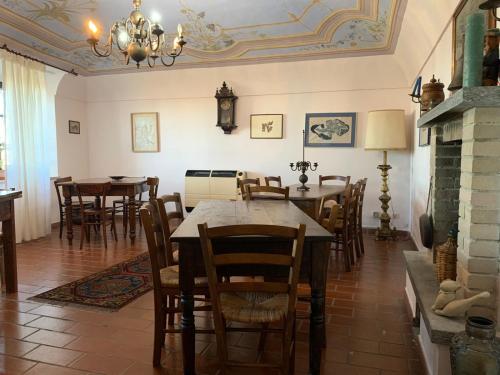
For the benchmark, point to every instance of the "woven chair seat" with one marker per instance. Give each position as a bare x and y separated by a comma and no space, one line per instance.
170,278
254,307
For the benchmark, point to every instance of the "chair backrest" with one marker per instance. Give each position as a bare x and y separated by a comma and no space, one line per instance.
256,257
57,184
328,212
361,199
94,189
247,181
345,179
153,183
270,192
353,206
346,206
270,179
156,248
169,221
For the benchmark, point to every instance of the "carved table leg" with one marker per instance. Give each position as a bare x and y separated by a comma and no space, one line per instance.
186,280
131,216
317,340
68,208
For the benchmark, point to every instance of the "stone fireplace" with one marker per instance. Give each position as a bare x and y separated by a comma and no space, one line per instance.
465,166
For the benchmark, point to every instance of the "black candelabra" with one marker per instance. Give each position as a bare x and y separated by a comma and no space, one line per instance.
303,166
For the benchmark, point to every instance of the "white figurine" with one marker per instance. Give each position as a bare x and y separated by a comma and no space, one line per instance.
450,301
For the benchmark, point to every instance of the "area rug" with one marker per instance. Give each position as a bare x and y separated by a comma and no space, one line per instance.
110,289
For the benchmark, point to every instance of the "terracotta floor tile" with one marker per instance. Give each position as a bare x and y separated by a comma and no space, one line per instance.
50,338
107,365
52,355
52,324
92,344
16,348
15,331
52,311
16,317
17,306
46,369
378,361
13,366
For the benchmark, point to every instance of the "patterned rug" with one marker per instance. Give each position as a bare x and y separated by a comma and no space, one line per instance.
110,289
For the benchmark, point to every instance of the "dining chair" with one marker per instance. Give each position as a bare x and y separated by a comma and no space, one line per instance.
153,183
328,212
247,181
344,179
100,215
342,239
165,276
75,205
359,215
253,301
352,222
267,192
270,179
169,221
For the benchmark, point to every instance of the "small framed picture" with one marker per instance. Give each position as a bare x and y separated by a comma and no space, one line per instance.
330,129
266,126
74,127
145,132
424,137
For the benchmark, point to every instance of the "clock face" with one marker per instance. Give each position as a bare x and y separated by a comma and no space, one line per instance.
225,104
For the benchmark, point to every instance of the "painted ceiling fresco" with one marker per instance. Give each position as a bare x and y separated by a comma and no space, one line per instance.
218,32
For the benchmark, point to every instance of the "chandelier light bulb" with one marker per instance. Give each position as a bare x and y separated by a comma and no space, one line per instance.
122,37
92,27
179,30
155,16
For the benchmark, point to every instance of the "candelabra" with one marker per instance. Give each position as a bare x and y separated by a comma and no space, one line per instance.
303,166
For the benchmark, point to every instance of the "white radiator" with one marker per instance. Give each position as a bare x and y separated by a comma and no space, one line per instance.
216,184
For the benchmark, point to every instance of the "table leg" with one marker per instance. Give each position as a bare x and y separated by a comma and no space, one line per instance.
9,251
186,280
68,208
131,216
317,340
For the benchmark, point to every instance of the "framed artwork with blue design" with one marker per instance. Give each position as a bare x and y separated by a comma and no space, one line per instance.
330,129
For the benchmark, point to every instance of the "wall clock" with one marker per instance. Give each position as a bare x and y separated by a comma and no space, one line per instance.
226,103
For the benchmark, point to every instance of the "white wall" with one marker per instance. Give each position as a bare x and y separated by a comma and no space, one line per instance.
190,139
439,63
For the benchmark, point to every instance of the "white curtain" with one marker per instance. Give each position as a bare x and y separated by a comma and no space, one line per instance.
29,143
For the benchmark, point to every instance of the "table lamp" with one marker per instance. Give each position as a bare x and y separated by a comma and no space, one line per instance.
386,130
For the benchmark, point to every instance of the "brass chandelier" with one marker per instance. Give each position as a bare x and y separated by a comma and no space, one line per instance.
139,39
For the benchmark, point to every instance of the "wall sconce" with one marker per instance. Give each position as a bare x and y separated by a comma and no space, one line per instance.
493,6
416,93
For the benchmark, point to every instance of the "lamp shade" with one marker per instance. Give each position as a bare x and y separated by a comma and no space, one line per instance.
386,130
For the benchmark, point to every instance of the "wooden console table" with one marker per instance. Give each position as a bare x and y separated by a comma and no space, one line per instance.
7,217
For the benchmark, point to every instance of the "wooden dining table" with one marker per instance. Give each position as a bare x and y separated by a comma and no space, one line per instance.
126,187
267,212
8,238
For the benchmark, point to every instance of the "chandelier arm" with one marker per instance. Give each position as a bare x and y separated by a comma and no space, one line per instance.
105,53
168,64
176,54
149,62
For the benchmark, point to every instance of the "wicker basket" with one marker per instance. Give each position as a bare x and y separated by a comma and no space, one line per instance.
446,258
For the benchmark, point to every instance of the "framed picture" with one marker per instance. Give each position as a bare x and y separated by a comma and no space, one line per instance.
74,127
266,126
145,132
424,137
465,8
330,129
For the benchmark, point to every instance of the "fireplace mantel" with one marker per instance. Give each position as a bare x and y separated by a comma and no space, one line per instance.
463,100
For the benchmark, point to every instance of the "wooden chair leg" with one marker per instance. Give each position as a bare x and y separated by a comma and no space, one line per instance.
61,224
262,339
345,250
159,336
105,238
125,219
360,239
292,354
171,314
82,232
113,226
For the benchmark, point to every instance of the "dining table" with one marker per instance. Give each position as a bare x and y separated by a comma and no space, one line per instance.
266,212
8,237
126,187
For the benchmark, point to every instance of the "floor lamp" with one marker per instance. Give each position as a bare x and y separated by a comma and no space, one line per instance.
386,130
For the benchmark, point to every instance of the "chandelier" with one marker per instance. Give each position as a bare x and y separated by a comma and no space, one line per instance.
139,39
